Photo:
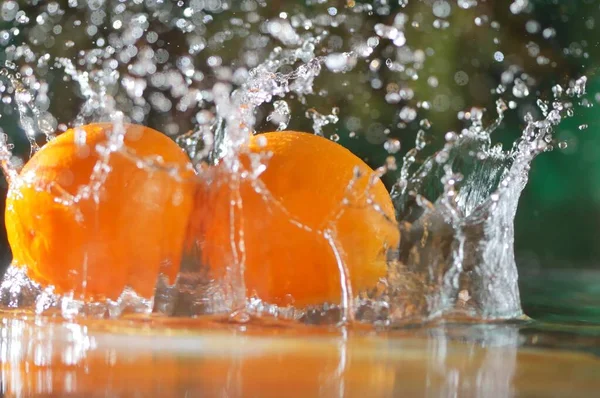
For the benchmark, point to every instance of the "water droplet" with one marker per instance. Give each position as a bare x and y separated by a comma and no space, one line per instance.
392,145
441,9
520,89
461,78
338,62
408,114
518,6
450,136
442,157
390,163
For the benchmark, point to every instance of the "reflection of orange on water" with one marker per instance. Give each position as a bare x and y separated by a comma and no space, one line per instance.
96,249
41,361
315,207
136,356
273,369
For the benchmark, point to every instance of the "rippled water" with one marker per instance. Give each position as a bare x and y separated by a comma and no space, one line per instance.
211,355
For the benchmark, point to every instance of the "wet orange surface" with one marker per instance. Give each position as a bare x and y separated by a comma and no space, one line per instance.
315,213
203,358
123,235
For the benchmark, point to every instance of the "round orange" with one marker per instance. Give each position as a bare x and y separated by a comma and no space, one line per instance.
95,248
298,225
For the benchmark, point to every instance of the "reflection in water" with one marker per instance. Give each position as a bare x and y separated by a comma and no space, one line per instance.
490,369
482,360
42,357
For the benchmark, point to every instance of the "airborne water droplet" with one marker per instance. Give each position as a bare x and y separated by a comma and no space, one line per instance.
520,89
392,145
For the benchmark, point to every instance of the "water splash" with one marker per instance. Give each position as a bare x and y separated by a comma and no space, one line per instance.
458,210
162,63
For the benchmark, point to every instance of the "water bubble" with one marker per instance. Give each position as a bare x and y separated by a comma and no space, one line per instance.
518,6
392,145
283,31
543,106
450,136
9,10
420,140
466,4
520,89
432,81
281,114
577,87
390,163
442,157
441,24
532,26
23,96
240,317
557,91
590,23
400,20
375,134
549,33
481,20
319,120
391,33
461,78
46,123
408,114
441,9
338,62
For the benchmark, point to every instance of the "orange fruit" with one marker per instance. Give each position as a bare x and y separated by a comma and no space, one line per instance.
135,230
289,227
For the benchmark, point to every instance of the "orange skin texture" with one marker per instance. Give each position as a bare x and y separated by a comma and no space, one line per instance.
136,230
286,254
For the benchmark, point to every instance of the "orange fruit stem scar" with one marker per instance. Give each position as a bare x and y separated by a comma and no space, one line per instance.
95,247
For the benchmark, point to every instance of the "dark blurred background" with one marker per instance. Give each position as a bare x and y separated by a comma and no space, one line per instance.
558,221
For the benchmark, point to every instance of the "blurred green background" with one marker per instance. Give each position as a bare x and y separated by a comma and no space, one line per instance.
558,221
